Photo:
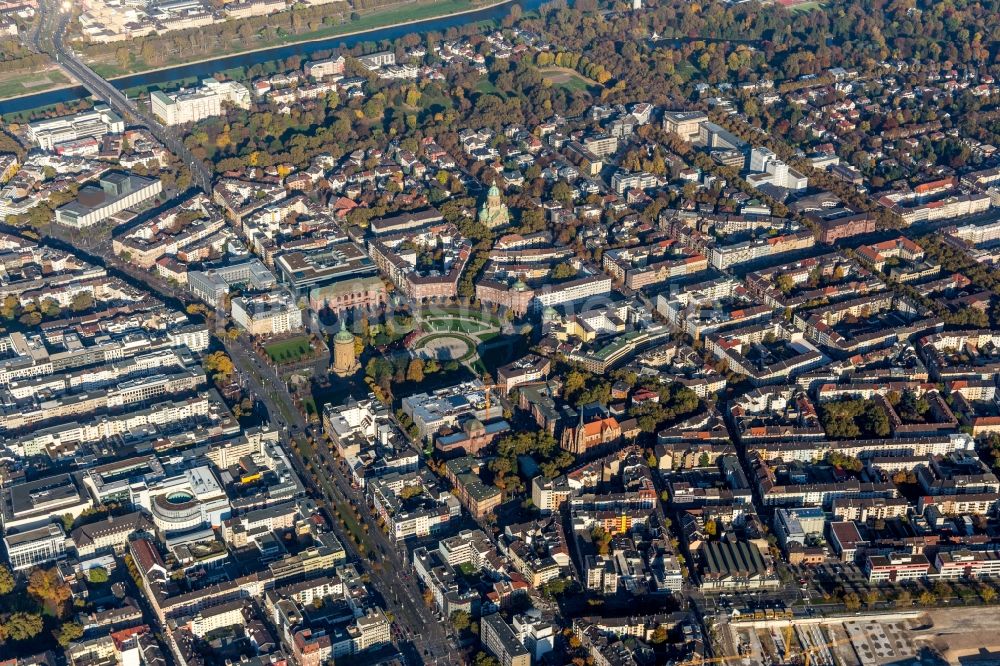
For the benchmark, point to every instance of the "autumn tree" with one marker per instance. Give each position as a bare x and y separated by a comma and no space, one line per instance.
601,539
98,575
46,586
219,365
7,581
21,626
415,371
68,633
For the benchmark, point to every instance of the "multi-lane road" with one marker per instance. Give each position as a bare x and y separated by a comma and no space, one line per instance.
49,37
421,641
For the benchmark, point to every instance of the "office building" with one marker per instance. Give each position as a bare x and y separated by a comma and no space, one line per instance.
114,193
271,313
94,123
34,547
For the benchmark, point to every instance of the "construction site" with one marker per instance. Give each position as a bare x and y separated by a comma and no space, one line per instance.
966,636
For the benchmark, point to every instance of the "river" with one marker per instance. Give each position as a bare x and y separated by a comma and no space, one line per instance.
207,68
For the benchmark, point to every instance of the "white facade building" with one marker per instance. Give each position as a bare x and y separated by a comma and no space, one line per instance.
267,314
192,105
34,547
94,123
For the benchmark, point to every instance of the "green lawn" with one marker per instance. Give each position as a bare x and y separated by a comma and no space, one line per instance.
288,351
686,70
309,403
306,450
352,524
464,313
458,325
236,73
560,77
435,102
31,82
806,7
485,86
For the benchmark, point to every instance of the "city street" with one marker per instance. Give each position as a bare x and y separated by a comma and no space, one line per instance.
398,589
52,25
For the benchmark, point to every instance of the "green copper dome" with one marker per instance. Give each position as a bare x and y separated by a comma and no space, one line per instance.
344,335
494,191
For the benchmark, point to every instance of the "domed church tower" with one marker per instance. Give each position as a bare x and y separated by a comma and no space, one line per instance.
493,213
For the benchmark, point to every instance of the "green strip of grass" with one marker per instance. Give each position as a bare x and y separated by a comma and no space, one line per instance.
352,524
30,83
288,351
377,18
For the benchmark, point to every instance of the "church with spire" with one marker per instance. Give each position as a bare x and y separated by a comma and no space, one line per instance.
493,213
597,434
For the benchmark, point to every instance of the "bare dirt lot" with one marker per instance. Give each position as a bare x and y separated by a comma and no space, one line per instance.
958,636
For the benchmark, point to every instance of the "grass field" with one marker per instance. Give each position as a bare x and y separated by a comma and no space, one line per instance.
305,448
309,403
460,325
187,82
463,313
288,351
16,84
805,7
380,17
686,70
485,86
562,77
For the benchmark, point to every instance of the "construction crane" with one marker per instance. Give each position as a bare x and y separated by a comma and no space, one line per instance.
489,388
804,655
808,652
715,660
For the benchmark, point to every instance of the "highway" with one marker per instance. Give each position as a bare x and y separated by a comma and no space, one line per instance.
48,37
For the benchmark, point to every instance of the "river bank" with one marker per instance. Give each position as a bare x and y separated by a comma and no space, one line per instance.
165,76
366,24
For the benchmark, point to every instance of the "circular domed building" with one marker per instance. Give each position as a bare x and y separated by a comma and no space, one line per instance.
344,360
493,213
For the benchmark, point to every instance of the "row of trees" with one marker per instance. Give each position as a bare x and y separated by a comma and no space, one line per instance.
34,312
